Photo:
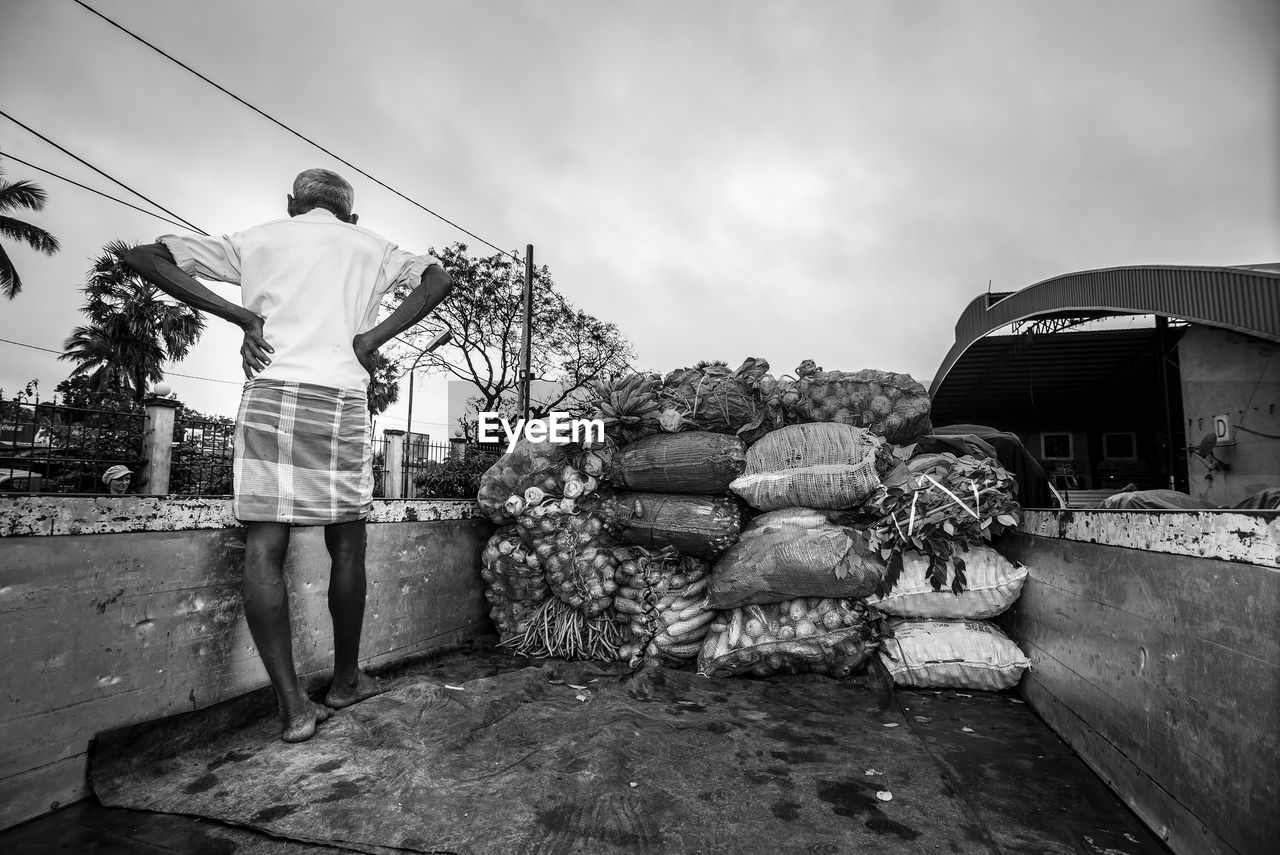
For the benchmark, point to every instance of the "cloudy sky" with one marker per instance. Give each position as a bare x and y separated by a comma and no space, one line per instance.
789,180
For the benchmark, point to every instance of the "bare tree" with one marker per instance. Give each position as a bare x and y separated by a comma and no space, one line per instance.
571,348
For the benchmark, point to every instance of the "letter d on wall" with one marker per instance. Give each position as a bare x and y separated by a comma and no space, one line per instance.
1222,429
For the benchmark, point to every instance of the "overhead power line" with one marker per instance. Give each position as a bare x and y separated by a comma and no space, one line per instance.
91,190
32,130
291,130
167,373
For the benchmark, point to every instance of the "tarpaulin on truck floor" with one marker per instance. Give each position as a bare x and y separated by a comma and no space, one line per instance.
524,761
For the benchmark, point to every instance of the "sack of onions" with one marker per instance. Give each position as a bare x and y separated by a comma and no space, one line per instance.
894,406
576,553
514,582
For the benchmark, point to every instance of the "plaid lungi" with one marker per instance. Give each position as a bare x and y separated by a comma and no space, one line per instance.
303,454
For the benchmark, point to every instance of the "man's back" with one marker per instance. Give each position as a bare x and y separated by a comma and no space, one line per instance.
317,282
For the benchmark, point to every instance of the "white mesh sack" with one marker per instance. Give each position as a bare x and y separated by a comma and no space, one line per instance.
947,654
992,585
818,465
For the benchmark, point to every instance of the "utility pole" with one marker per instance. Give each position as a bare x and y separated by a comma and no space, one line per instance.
526,343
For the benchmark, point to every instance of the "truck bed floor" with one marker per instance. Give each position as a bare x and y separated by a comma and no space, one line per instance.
581,759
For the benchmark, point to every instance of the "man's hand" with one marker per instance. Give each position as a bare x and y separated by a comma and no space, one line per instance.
364,352
254,350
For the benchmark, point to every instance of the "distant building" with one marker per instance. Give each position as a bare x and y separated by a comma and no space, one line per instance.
1181,391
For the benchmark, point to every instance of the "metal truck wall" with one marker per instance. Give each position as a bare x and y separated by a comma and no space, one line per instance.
1154,640
117,611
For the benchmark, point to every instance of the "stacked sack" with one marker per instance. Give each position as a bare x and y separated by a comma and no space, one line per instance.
793,588
759,526
667,499
550,570
931,518
943,640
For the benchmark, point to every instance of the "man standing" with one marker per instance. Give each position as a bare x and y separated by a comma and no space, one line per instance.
311,286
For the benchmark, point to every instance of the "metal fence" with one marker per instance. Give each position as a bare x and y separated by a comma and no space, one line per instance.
381,487
203,451
47,447
422,458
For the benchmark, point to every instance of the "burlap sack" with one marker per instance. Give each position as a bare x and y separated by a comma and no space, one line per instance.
692,462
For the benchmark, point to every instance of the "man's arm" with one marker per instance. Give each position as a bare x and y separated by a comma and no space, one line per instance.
436,284
154,263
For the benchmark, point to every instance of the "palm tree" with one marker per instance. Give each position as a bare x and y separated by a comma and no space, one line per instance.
133,328
15,195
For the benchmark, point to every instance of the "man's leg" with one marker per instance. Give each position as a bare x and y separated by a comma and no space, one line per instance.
266,607
346,544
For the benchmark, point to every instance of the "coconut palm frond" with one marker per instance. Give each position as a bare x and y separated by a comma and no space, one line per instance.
21,194
33,236
10,281
15,195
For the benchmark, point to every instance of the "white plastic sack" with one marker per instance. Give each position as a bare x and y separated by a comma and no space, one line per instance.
820,465
993,584
946,654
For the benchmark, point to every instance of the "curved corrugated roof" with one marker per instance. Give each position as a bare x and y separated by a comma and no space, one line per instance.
1243,299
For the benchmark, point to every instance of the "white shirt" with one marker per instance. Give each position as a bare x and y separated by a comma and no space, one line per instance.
316,281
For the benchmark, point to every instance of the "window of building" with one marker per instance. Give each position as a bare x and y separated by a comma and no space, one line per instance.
1119,446
1056,446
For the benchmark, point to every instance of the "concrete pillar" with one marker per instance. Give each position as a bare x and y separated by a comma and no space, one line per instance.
394,464
457,448
157,444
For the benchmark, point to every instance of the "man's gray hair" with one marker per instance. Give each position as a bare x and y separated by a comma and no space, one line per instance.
320,188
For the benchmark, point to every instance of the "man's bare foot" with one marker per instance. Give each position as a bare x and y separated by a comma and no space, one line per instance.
301,727
344,694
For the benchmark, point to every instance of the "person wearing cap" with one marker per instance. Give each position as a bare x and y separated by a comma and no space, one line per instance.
311,285
117,479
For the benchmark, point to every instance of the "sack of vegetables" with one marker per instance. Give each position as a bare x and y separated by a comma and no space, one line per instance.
572,620
514,584
992,584
796,552
701,526
828,636
952,654
693,462
576,555
822,465
894,406
936,504
538,465
664,595
712,397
